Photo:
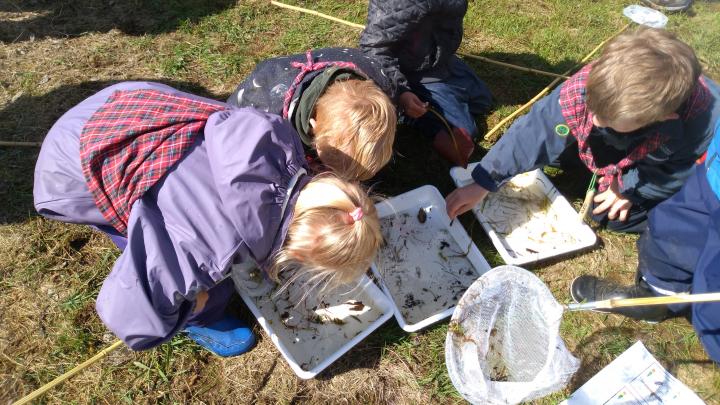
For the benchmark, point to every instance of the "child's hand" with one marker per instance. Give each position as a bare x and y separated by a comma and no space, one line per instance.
612,201
200,301
412,105
463,199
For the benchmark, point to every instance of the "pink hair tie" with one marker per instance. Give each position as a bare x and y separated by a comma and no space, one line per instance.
356,214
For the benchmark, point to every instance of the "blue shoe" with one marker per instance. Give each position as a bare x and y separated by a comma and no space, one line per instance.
226,338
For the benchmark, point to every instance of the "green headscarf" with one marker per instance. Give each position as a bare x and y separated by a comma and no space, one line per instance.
306,103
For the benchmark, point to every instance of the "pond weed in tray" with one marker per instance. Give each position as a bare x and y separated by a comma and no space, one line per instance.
425,263
527,219
312,331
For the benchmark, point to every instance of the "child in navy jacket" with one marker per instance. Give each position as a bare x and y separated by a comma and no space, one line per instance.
415,41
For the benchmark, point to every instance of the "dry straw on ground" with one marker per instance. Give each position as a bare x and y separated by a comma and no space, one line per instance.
54,54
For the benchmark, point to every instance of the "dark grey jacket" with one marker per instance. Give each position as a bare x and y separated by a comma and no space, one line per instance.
413,39
265,88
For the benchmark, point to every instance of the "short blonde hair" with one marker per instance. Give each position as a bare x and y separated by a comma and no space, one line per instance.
355,128
324,244
642,77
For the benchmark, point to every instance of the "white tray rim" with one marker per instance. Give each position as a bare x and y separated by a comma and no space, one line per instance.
461,177
370,288
410,199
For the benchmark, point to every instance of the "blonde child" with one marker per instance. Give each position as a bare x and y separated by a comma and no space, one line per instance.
338,100
638,117
187,186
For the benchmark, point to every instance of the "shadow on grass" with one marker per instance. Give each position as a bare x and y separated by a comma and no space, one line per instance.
596,350
37,19
368,353
29,118
512,87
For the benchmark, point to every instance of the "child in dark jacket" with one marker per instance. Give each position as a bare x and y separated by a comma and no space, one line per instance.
679,253
338,100
638,118
188,187
416,43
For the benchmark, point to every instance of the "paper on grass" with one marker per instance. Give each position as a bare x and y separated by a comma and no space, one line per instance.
635,377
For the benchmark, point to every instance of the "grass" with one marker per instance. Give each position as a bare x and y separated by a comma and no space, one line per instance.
54,54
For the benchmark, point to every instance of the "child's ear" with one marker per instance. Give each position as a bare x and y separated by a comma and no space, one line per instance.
313,123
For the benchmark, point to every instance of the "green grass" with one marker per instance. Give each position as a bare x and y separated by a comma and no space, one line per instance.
51,272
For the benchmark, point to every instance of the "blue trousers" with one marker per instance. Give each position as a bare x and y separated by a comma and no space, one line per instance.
680,252
459,98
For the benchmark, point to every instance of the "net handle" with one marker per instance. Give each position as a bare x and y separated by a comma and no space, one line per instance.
638,302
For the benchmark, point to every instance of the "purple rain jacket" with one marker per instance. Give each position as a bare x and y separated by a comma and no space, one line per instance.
225,201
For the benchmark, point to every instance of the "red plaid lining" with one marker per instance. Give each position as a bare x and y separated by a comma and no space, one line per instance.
132,141
699,101
580,121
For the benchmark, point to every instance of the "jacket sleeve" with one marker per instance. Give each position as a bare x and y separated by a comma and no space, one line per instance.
147,298
531,142
253,156
263,87
389,23
661,173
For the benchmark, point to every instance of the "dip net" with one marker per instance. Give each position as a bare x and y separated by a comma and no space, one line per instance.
503,344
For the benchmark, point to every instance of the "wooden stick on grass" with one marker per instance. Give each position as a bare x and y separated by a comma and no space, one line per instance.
21,144
511,66
59,380
360,26
550,86
315,13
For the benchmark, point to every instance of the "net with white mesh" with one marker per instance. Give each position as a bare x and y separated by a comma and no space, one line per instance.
503,345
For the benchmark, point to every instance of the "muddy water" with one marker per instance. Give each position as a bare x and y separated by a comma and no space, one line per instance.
422,265
313,328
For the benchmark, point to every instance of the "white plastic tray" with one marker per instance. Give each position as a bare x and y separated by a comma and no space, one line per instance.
523,237
426,263
310,350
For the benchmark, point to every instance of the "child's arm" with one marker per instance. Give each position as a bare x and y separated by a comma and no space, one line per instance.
532,141
384,32
663,172
150,293
264,88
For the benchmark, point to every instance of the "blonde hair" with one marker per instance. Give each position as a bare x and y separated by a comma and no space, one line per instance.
642,77
355,128
325,244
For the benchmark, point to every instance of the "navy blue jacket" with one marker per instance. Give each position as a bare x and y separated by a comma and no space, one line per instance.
414,39
266,86
533,142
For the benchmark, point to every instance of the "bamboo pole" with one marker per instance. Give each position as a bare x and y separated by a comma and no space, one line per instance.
360,26
59,380
549,87
511,66
315,13
21,144
640,302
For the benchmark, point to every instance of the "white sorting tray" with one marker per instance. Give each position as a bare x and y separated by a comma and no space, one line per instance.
426,263
525,229
308,351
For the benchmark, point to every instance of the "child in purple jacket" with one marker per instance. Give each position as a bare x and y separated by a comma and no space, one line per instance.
188,186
